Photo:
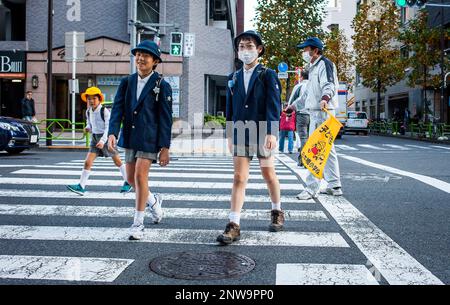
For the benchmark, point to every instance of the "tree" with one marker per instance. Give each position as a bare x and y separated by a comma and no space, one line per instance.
283,24
424,44
377,57
337,50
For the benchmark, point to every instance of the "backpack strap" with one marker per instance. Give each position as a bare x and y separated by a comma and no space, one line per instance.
102,113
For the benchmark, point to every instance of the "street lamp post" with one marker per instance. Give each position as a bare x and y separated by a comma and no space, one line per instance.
50,108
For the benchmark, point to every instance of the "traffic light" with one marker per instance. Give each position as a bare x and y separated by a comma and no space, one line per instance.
176,44
410,3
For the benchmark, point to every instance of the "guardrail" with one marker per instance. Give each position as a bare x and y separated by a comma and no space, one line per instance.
57,130
417,130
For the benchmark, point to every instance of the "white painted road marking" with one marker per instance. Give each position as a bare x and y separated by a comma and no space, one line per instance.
396,265
345,147
323,274
175,236
190,213
151,175
442,147
8,193
417,146
397,147
152,184
371,147
62,268
439,184
153,170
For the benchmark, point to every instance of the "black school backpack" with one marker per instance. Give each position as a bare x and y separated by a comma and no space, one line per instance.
102,113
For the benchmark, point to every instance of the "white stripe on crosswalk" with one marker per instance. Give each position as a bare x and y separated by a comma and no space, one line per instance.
441,147
154,168
186,166
371,146
178,213
345,147
153,184
323,274
175,236
182,162
396,265
152,174
54,268
20,193
398,147
417,146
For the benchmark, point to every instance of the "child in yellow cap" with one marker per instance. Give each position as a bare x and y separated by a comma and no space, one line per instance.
97,122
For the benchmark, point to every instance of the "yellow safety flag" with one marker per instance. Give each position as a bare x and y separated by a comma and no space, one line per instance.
317,149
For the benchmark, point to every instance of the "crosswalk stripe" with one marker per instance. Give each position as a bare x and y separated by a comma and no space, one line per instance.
62,268
20,193
345,147
173,236
323,274
152,174
154,168
371,146
153,184
183,213
186,166
182,162
396,265
442,147
398,147
417,146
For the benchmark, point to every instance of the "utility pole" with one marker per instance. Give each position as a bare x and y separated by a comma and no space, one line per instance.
443,114
133,32
50,108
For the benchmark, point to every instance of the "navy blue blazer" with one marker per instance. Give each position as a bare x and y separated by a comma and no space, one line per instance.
147,123
262,103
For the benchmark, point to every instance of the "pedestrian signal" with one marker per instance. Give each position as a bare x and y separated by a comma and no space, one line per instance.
176,44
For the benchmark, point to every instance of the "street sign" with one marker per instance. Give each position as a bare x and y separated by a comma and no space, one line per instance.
189,44
283,75
283,67
74,45
176,44
74,86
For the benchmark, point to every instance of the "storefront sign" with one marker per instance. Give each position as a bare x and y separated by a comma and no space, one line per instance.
12,64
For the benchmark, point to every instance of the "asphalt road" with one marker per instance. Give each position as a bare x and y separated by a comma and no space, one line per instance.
391,227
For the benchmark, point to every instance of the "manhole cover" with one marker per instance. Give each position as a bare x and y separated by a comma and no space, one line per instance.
202,265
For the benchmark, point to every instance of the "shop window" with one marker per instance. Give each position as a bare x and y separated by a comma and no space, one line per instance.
12,20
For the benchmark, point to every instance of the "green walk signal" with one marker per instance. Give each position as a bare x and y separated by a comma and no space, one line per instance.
175,49
401,3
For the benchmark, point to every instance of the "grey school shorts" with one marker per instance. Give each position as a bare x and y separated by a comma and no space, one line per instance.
250,151
100,152
131,156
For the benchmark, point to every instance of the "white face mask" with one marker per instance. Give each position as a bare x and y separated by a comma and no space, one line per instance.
307,57
248,57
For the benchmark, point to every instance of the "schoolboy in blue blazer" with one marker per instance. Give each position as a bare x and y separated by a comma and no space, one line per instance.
253,114
143,104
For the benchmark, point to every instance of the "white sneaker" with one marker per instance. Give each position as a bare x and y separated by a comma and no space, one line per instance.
332,191
136,232
305,195
156,209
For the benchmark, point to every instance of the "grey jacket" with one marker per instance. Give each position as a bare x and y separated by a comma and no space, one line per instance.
323,84
298,96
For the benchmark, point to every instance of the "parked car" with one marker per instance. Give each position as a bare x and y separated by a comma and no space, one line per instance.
357,122
17,135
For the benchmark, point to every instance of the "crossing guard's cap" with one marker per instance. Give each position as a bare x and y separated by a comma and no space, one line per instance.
311,42
150,47
253,34
92,91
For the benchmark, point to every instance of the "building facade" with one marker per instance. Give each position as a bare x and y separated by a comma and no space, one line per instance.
400,96
199,81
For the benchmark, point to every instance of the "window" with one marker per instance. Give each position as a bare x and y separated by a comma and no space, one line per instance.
148,11
357,115
404,52
12,20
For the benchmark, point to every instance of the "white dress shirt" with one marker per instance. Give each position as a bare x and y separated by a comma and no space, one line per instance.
96,124
247,76
141,84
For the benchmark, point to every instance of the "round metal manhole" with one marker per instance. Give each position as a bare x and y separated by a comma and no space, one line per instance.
202,265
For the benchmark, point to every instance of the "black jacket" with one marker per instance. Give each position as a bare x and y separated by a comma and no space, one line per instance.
28,107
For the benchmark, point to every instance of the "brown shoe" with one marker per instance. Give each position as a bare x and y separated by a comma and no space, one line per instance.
277,224
232,233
